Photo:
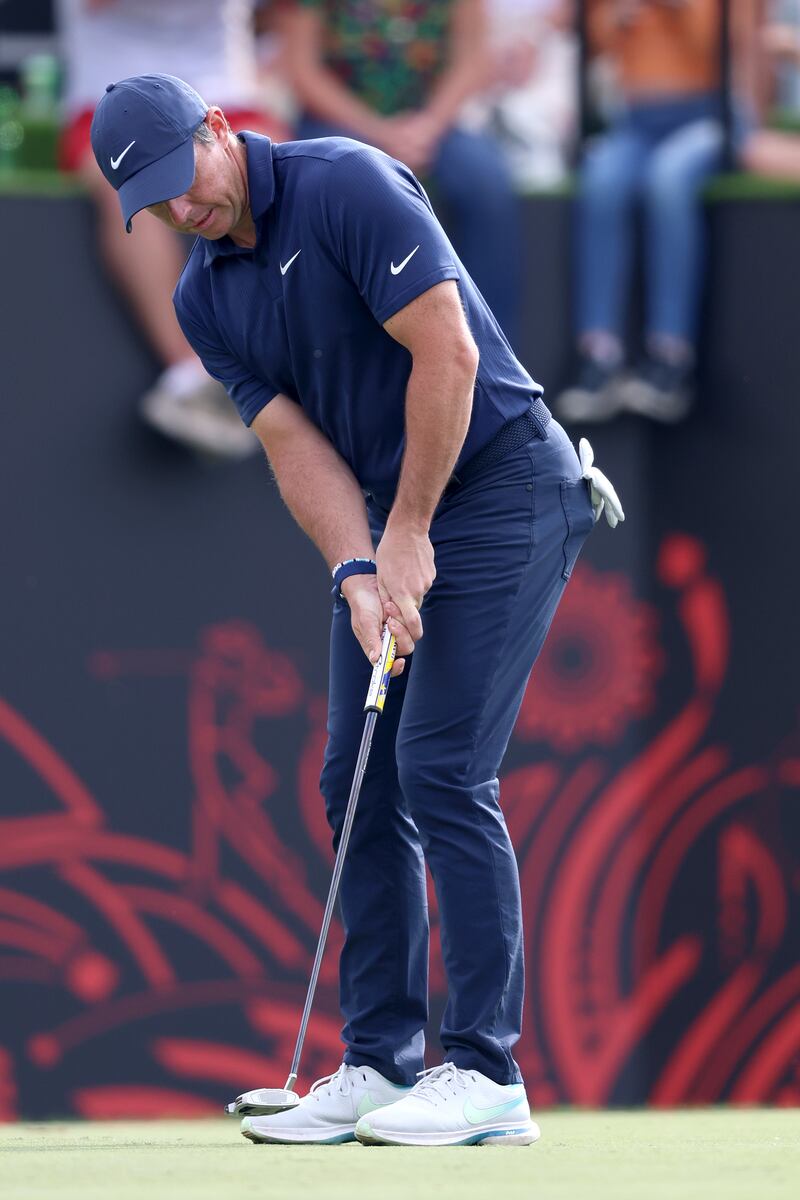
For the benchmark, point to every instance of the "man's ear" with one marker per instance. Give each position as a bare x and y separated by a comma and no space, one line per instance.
217,122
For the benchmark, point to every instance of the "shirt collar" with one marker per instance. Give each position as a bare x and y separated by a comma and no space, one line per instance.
260,187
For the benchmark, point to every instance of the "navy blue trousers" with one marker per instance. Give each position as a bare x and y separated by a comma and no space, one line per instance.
505,544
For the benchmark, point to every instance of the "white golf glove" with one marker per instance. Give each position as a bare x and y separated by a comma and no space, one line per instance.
601,489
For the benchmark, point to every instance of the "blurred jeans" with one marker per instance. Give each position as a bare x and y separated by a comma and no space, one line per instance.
473,180
659,153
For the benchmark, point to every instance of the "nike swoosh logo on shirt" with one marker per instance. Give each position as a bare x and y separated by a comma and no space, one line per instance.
116,161
476,1116
285,268
396,270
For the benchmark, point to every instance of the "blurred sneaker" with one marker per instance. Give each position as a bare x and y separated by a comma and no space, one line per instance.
594,395
328,1114
660,390
452,1107
200,416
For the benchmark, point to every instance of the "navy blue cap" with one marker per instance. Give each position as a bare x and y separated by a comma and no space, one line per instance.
142,139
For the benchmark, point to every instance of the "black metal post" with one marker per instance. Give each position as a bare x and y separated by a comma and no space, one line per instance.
582,82
726,83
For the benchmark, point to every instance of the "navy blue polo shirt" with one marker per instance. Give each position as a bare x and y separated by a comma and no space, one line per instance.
346,237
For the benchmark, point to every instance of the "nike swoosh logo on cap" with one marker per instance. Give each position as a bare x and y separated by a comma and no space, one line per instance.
285,268
116,161
396,270
477,1115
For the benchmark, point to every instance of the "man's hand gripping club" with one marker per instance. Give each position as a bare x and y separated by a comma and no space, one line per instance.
406,573
394,596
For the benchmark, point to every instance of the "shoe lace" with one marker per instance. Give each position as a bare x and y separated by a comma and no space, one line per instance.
439,1083
340,1081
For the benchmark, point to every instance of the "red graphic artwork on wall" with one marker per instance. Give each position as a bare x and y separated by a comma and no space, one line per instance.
162,974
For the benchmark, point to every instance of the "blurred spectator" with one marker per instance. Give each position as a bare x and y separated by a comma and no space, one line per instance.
210,44
530,107
659,150
397,76
780,41
275,95
775,153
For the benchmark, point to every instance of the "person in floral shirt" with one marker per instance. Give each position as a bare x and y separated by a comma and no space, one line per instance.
395,74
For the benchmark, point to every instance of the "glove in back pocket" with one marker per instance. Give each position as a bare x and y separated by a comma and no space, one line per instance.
579,516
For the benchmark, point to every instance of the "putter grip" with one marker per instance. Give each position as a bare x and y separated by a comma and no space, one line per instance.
376,695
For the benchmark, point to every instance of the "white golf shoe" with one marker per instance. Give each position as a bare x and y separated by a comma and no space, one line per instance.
328,1114
452,1107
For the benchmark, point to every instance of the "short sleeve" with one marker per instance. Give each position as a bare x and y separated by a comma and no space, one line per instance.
384,231
249,393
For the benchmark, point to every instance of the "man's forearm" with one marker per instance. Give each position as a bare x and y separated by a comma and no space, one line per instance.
319,489
326,502
438,408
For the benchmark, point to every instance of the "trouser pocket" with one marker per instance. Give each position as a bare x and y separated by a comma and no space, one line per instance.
579,518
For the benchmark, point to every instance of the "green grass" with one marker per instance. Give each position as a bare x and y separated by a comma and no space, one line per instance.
27,182
735,186
738,1154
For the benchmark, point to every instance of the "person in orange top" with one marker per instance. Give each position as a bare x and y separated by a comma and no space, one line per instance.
660,47
658,151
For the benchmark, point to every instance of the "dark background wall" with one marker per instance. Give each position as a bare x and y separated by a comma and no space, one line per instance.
163,851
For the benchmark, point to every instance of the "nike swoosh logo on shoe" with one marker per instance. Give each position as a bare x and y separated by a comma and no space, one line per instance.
367,1105
476,1116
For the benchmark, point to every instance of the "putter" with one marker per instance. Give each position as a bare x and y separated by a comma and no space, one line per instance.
266,1101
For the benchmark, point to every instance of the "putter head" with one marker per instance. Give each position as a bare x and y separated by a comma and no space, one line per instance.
263,1102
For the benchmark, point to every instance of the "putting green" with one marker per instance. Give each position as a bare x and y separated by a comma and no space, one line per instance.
735,1154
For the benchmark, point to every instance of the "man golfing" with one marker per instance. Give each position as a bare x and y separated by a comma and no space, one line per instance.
416,452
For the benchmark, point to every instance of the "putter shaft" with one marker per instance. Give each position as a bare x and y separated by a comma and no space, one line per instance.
265,1101
350,812
376,697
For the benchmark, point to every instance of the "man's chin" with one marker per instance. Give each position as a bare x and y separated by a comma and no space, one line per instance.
213,227
218,227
